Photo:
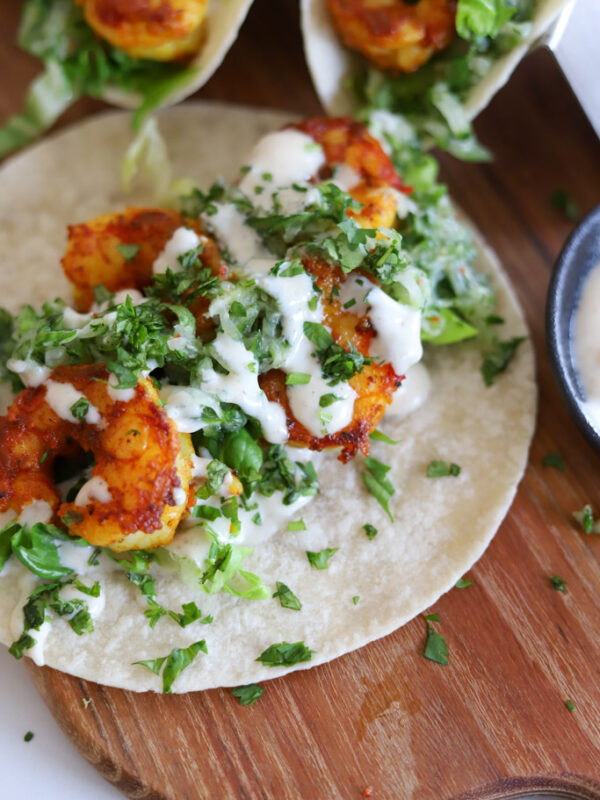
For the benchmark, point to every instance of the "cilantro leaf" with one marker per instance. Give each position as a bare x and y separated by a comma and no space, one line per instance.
248,695
377,483
558,584
129,251
440,469
378,436
286,597
320,559
435,644
337,363
36,549
298,525
570,705
463,583
585,518
370,530
497,360
561,200
297,378
553,460
285,654
173,665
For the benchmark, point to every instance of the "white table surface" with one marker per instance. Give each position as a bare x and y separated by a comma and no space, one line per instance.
48,766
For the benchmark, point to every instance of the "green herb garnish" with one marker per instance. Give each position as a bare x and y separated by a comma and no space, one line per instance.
248,695
320,559
441,469
435,645
285,654
286,597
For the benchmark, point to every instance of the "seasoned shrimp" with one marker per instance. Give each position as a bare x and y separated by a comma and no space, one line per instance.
139,488
93,256
375,385
161,30
395,34
347,142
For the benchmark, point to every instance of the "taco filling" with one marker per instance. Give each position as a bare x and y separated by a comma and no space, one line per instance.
137,54
219,354
420,59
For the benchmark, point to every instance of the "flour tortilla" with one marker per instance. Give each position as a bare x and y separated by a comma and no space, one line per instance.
223,22
332,64
441,526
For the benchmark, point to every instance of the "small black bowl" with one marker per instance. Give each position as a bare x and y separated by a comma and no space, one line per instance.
579,255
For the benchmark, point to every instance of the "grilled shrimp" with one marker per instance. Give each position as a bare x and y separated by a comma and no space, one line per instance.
349,143
161,30
395,34
375,385
140,483
92,256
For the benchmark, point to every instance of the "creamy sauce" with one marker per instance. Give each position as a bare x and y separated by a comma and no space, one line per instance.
185,404
240,242
240,386
182,241
398,329
61,397
31,373
411,394
95,605
586,330
118,395
36,511
94,489
278,160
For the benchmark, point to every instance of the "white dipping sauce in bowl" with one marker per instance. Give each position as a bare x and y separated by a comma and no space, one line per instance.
586,343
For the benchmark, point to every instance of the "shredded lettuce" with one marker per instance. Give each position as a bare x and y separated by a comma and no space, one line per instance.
431,99
77,63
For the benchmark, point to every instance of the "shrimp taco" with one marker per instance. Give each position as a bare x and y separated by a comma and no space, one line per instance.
269,424
435,63
140,55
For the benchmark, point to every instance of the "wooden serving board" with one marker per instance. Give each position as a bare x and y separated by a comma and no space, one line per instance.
383,721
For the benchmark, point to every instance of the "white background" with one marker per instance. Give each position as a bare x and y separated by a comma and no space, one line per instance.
48,766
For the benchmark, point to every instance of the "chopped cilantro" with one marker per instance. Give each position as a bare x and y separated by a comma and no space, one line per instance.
435,645
570,705
80,408
248,695
585,518
377,483
337,363
285,654
463,583
45,455
298,525
320,559
286,597
28,736
494,319
350,303
378,436
370,530
328,399
297,378
553,460
497,360
558,584
561,200
173,665
355,599
129,251
440,469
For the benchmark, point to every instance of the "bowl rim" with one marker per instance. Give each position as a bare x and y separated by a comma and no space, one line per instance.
560,350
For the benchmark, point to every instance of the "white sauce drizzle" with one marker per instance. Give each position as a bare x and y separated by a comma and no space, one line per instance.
31,373
240,386
411,394
118,395
182,241
62,396
94,489
398,329
185,404
36,511
288,157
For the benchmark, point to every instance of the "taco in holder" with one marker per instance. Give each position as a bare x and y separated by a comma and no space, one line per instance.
283,417
140,55
434,63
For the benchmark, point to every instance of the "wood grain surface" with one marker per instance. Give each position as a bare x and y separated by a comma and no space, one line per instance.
383,721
